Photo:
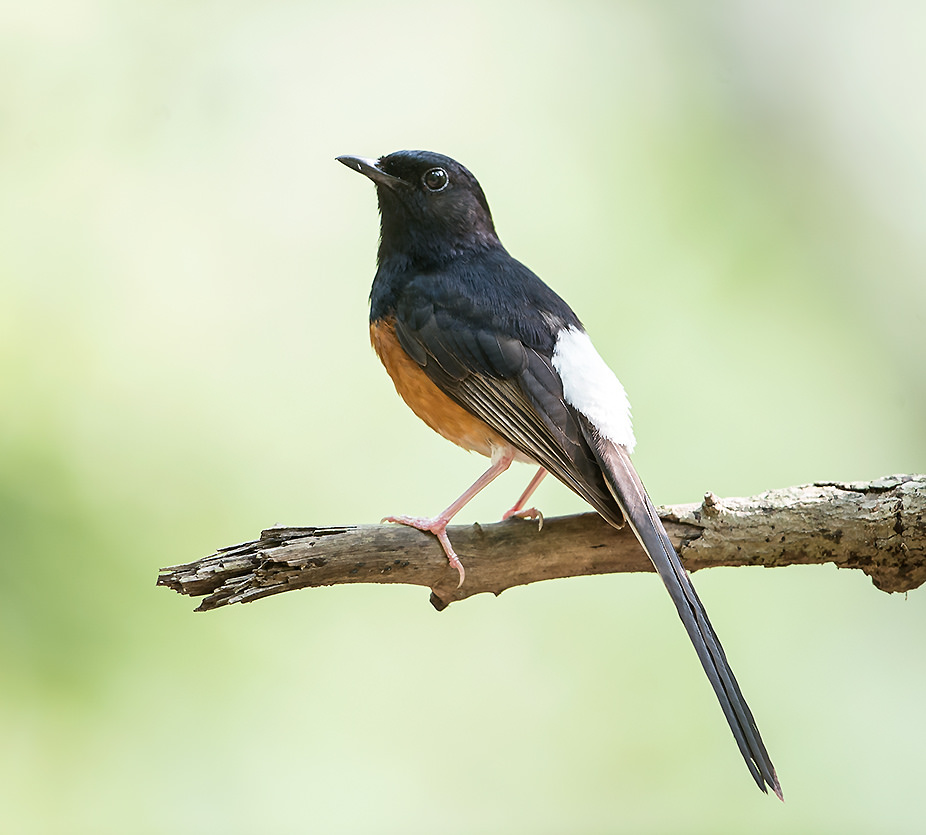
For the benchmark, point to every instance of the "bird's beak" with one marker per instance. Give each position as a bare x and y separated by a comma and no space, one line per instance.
370,168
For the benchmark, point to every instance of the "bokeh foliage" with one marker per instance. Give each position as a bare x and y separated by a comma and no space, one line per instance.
732,197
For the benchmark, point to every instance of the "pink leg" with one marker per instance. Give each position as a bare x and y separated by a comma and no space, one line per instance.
518,508
438,524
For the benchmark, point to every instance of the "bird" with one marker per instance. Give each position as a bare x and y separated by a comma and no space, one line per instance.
491,358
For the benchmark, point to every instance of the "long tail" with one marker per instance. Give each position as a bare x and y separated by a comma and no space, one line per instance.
630,494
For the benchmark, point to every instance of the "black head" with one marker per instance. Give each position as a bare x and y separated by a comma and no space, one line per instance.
432,208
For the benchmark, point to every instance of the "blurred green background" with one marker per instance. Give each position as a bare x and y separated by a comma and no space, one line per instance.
732,196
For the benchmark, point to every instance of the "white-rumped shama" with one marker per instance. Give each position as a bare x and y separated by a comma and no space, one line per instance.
491,358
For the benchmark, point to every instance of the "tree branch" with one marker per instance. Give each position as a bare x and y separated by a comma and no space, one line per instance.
878,527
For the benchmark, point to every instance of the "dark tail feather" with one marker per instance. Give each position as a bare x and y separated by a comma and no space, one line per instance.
638,509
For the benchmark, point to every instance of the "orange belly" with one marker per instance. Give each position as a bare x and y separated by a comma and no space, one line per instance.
426,400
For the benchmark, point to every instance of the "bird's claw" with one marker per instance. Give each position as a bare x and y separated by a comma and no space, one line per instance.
438,527
526,513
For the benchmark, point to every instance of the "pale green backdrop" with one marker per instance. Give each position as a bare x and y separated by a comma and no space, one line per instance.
732,195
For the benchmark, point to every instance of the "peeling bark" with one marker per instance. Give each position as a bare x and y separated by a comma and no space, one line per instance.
878,527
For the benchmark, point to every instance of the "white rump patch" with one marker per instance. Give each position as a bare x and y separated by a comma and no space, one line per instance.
591,387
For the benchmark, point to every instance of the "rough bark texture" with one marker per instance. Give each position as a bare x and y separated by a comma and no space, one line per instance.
878,527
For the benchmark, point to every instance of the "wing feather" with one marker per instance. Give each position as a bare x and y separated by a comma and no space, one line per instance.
515,390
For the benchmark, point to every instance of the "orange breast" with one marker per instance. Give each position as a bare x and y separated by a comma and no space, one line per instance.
426,400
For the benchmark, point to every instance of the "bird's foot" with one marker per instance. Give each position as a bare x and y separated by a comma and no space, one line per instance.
525,513
437,526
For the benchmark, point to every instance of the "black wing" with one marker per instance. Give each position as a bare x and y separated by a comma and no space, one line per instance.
510,385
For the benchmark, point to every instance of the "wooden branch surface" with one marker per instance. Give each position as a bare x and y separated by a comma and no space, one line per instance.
878,527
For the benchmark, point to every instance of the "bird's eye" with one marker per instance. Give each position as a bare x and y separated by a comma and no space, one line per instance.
435,180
